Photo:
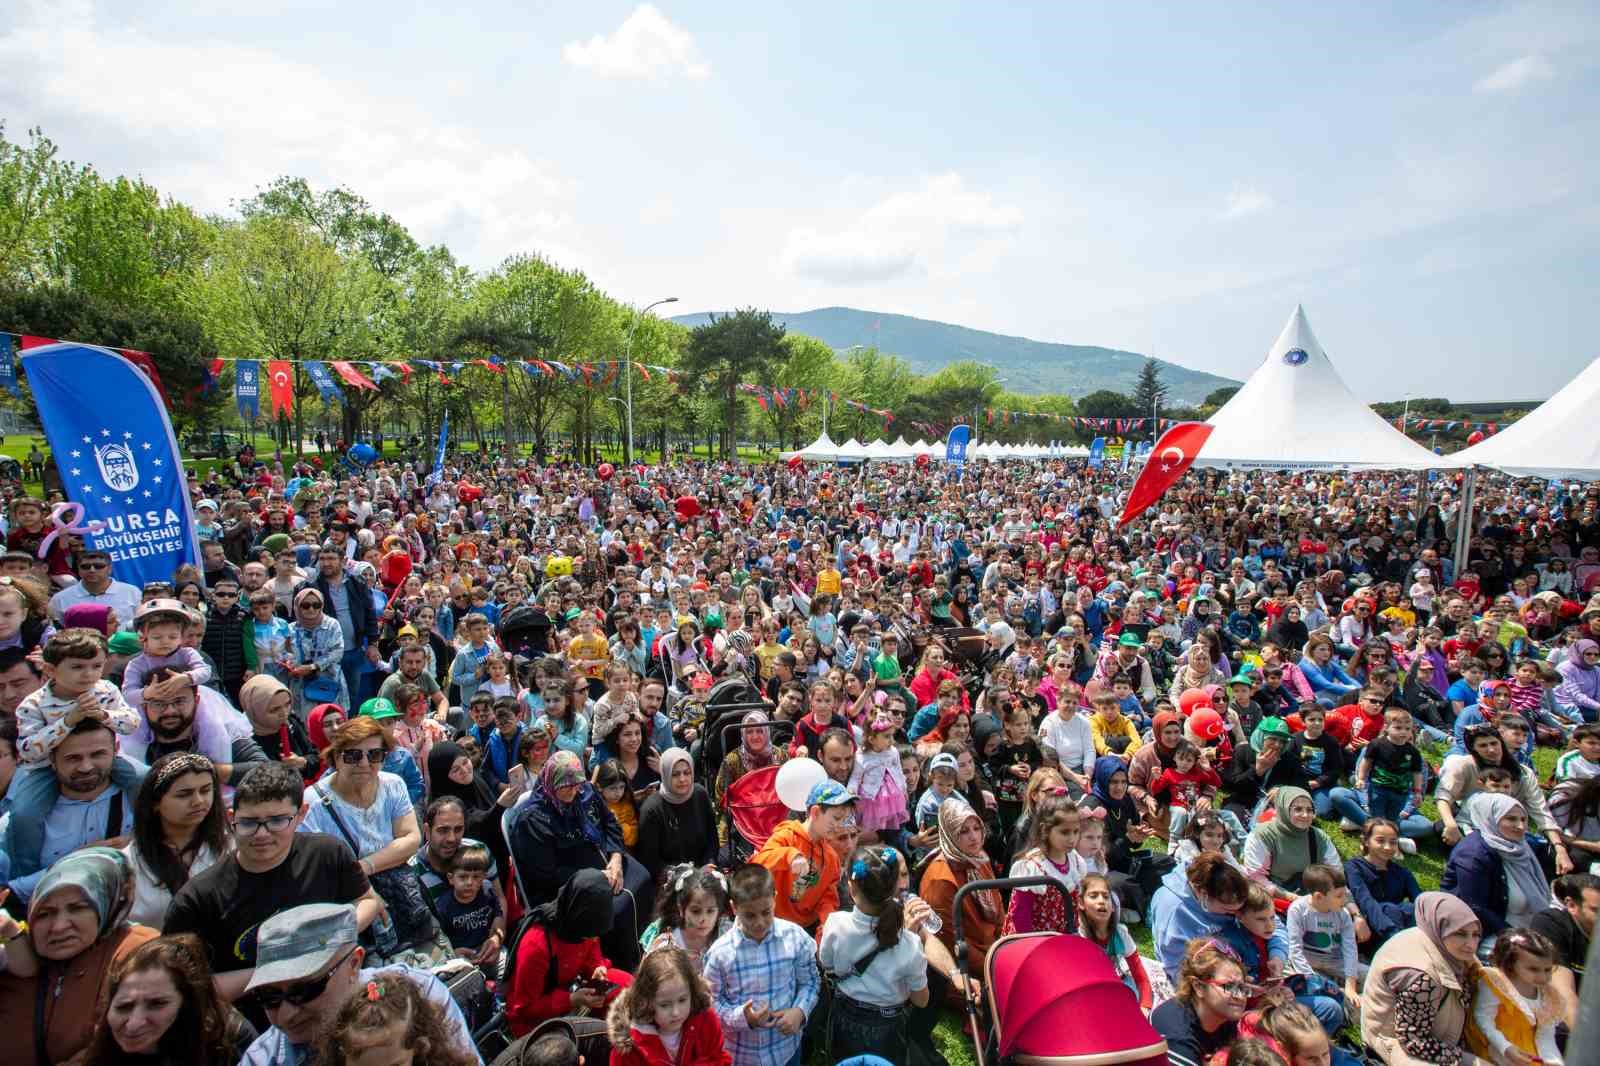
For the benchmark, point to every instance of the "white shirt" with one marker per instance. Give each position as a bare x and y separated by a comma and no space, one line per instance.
847,936
119,595
1073,741
150,896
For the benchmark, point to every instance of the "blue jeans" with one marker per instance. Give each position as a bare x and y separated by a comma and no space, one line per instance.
1329,1011
351,665
1385,803
1322,799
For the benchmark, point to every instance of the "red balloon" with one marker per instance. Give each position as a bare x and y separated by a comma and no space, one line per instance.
795,462
1475,437
686,507
469,493
1191,699
1206,723
605,470
923,460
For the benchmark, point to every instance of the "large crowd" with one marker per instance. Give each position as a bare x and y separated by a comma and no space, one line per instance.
409,769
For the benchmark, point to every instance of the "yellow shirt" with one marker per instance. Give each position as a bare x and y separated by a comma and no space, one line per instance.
591,654
828,582
1102,731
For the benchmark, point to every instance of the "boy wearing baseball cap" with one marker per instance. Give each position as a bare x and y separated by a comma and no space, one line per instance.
804,866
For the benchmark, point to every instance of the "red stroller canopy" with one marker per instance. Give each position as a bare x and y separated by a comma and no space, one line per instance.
1057,998
753,804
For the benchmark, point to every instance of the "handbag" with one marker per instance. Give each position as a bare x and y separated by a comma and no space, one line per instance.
399,888
317,689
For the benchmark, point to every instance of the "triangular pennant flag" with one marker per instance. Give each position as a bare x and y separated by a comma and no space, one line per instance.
644,371
29,341
352,376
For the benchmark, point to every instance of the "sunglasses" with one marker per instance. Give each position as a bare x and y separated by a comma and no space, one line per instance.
310,605
356,757
301,993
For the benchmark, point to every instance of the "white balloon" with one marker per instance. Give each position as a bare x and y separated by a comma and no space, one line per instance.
796,779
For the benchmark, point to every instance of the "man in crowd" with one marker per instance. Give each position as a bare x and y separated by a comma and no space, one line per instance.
198,720
96,585
349,602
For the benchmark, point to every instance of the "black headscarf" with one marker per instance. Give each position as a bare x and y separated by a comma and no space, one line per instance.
581,910
475,797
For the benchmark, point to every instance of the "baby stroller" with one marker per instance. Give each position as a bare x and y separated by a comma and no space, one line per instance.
726,703
1054,998
525,631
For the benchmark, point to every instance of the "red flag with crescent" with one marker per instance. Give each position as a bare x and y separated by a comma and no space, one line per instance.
280,382
1173,454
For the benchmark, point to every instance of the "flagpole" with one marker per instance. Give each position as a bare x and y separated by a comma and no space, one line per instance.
627,386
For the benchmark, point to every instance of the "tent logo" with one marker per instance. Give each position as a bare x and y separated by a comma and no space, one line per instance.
1295,357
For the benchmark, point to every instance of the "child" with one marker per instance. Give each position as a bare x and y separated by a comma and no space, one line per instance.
1052,853
1294,1031
666,1017
612,784
470,914
1098,920
1114,733
1188,780
763,972
1384,891
1322,933
1257,937
1091,845
1013,762
1516,1006
1390,774
804,867
878,965
390,1019
23,609
1128,701
500,684
1206,832
1583,759
878,782
468,671
73,690
270,633
943,775
163,626
691,914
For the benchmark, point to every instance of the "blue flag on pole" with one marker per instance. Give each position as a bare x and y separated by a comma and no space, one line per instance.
438,452
1097,452
8,365
247,388
322,378
955,444
118,458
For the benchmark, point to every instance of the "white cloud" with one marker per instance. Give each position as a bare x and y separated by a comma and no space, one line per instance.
1245,200
229,117
647,45
1517,74
938,227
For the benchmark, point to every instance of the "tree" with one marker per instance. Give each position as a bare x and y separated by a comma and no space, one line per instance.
731,349
1149,393
1218,397
1107,404
807,363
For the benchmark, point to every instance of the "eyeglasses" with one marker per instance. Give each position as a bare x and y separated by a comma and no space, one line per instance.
302,993
357,756
181,703
1234,989
249,827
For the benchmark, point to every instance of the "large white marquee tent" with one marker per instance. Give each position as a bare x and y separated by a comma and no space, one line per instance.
1296,413
1556,440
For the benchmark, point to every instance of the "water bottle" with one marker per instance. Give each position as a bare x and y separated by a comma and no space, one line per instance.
383,934
930,925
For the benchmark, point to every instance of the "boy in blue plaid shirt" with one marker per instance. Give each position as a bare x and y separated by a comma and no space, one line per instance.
763,975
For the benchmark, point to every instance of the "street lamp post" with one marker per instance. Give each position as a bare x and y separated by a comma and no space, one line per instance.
627,385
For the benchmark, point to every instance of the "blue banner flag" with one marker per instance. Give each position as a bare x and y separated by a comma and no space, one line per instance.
247,388
322,378
118,458
438,453
8,365
1097,452
955,444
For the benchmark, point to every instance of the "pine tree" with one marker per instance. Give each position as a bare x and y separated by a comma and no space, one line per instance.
1149,394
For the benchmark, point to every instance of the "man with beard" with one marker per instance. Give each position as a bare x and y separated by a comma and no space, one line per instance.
18,678
445,826
198,720
95,586
414,671
89,809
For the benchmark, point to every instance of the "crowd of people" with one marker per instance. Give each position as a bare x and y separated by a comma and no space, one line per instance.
409,765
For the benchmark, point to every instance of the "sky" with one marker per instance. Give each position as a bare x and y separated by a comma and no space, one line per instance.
1166,178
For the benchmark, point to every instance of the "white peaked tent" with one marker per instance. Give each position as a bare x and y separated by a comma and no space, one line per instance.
927,447
852,450
903,449
820,450
880,450
1556,440
1296,413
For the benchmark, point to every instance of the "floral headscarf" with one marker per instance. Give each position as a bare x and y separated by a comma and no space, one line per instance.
104,875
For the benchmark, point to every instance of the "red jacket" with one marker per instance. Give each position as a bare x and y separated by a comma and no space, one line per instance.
529,1001
701,1045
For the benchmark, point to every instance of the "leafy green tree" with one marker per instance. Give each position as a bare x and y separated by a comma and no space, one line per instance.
728,350
34,184
808,364
1149,392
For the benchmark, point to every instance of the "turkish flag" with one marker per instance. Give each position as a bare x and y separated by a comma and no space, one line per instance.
352,376
1173,454
280,379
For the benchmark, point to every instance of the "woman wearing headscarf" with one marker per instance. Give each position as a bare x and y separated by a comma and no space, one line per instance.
1148,763
677,823
565,826
269,705
316,646
1418,994
1494,870
1271,760
100,617
560,949
1135,873
1289,631
1579,691
755,751
1277,852
57,987
960,858
451,773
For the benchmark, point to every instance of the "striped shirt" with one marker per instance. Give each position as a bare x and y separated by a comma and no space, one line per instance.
780,971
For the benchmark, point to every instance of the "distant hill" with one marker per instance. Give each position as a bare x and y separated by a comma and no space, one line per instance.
1028,366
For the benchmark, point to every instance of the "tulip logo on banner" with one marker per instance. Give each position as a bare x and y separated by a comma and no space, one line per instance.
118,457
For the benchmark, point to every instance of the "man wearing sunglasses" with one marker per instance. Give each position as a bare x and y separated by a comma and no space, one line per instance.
272,868
96,586
308,967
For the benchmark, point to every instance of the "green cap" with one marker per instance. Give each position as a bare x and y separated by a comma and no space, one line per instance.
1242,678
123,642
378,709
713,620
572,612
275,543
1129,640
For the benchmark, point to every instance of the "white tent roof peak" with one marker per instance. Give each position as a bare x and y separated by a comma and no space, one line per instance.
1295,412
1554,440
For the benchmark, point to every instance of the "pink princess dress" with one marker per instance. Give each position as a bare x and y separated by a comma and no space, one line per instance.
879,786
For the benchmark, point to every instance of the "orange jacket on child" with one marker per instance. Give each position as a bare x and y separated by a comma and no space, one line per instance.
819,893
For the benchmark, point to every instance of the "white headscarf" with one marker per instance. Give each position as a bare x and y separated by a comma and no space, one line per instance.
1521,865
